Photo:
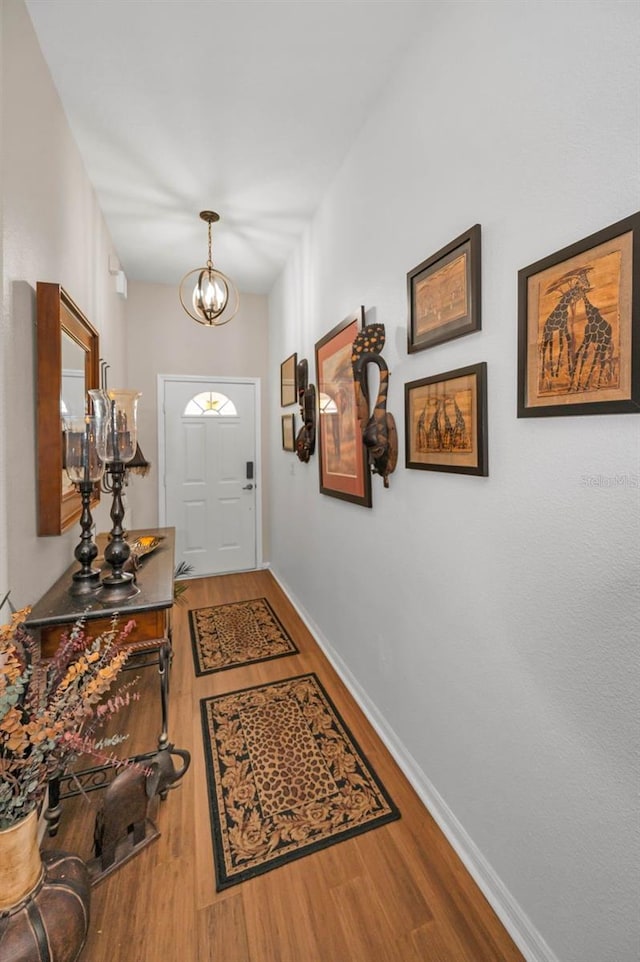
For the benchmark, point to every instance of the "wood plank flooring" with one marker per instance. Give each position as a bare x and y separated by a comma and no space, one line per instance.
397,893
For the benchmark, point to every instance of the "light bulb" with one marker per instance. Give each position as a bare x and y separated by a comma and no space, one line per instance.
210,295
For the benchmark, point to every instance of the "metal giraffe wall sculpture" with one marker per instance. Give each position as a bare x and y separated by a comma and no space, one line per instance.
378,430
306,438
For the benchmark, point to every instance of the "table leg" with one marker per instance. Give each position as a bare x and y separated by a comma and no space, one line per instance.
164,665
54,809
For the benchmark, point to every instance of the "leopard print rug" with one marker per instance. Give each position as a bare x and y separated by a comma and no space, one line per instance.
285,777
226,636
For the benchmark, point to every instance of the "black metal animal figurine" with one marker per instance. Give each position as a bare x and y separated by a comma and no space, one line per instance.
123,826
378,430
123,818
163,772
306,438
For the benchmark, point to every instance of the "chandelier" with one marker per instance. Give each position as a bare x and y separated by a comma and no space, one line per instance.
214,300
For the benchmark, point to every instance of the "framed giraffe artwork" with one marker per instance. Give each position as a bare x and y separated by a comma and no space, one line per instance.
444,293
342,461
579,327
446,422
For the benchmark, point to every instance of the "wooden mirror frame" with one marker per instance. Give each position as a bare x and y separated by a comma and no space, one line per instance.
57,314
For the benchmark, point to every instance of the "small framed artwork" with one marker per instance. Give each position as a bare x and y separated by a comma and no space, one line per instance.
289,432
579,327
288,384
444,293
343,464
446,422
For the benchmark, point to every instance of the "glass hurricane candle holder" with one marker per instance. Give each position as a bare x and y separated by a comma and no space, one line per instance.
119,410
83,437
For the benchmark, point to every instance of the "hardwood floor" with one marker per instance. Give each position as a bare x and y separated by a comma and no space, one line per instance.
397,893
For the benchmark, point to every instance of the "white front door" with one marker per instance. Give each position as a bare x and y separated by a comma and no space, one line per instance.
210,472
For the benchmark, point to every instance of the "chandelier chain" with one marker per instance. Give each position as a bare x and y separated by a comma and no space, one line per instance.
209,259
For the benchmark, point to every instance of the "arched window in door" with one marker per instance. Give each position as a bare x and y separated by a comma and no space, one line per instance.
210,404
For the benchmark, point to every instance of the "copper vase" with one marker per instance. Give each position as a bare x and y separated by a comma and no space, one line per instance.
44,899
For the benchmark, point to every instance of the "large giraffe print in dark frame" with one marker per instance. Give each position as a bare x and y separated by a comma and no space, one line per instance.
579,327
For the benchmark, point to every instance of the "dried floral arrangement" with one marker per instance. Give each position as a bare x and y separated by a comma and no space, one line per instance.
50,711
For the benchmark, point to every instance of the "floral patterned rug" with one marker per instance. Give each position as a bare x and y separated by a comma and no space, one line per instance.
226,636
285,777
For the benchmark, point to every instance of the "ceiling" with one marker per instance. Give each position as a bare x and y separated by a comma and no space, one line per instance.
247,108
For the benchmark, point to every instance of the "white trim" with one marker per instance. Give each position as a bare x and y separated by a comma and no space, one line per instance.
516,922
258,465
162,379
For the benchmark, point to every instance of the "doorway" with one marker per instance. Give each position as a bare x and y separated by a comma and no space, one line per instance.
209,471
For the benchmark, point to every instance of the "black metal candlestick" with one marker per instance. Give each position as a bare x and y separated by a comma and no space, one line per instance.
86,579
120,583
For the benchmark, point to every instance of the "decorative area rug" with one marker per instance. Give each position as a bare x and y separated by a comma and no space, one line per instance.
285,777
226,636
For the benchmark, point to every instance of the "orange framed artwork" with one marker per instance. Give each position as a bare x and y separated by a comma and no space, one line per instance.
343,463
579,327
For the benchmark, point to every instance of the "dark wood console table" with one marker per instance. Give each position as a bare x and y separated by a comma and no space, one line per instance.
150,640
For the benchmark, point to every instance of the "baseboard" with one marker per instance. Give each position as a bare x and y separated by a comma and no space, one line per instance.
516,922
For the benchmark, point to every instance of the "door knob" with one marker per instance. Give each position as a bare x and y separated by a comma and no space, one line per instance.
247,487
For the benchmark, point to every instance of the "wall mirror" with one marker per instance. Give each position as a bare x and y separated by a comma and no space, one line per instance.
67,367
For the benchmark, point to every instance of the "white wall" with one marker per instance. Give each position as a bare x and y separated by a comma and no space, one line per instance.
493,623
52,231
162,339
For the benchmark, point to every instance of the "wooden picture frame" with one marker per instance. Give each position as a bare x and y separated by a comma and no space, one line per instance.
579,327
343,465
446,422
289,432
288,381
68,357
444,293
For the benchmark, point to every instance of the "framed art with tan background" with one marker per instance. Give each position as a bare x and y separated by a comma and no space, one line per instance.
288,432
344,471
446,422
444,293
288,381
579,327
